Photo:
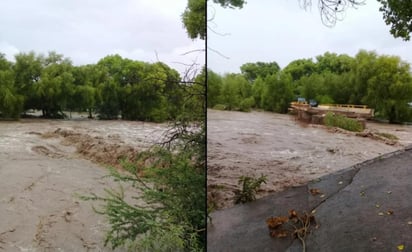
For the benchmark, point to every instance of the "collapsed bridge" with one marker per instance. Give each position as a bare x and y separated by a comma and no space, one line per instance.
307,113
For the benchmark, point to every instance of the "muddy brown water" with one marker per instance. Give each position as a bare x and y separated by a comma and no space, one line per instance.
42,175
288,152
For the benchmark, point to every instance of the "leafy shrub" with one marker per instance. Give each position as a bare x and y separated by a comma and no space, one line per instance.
247,104
343,122
172,216
219,107
250,186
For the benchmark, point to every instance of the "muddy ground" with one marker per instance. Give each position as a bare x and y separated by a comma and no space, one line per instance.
288,152
46,164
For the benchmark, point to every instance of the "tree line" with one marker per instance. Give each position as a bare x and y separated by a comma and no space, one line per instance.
113,87
382,82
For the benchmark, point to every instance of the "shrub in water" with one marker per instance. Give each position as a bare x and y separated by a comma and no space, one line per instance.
343,122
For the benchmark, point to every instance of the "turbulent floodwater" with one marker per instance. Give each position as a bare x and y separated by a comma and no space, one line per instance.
288,152
45,165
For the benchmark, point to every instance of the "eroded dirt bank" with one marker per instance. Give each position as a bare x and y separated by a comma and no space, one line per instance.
288,152
45,165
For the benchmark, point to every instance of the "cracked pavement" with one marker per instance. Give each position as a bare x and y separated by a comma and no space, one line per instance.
366,207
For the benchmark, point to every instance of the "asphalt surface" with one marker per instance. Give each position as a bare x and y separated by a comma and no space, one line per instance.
366,207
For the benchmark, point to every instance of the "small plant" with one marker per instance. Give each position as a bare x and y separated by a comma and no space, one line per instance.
250,186
343,122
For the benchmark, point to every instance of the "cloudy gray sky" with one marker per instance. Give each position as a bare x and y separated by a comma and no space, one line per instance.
281,31
88,30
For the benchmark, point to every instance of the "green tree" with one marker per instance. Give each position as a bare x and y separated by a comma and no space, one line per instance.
28,68
172,92
214,87
338,88
152,96
55,86
235,89
11,103
194,16
331,62
277,93
398,14
259,69
194,19
312,86
299,68
84,97
390,89
108,96
362,71
257,92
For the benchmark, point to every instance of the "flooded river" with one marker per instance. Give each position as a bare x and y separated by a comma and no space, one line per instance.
288,152
45,165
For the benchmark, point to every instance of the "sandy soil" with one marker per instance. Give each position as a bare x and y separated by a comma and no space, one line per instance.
288,152
45,165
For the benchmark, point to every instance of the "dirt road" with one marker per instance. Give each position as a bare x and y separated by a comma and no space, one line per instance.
287,152
45,165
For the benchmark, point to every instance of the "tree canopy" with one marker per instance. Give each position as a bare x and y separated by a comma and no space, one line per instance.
194,19
194,16
380,81
259,69
112,87
398,14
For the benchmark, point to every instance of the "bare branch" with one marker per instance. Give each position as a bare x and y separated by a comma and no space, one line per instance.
217,52
157,56
192,51
217,33
332,11
211,9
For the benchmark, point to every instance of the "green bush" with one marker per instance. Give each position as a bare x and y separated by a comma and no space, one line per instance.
250,186
172,217
219,107
343,122
246,104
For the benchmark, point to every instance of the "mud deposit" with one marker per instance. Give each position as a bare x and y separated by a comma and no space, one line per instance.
45,165
288,152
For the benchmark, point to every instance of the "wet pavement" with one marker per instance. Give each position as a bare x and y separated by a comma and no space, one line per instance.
366,207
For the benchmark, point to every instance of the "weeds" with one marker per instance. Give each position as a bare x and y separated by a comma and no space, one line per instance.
250,186
343,122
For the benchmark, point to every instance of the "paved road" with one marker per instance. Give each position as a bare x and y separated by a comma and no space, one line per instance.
367,207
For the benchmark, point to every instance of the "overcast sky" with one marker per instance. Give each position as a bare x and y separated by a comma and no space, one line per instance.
281,31
88,30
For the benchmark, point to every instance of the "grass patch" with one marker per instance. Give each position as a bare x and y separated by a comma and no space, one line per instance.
343,122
